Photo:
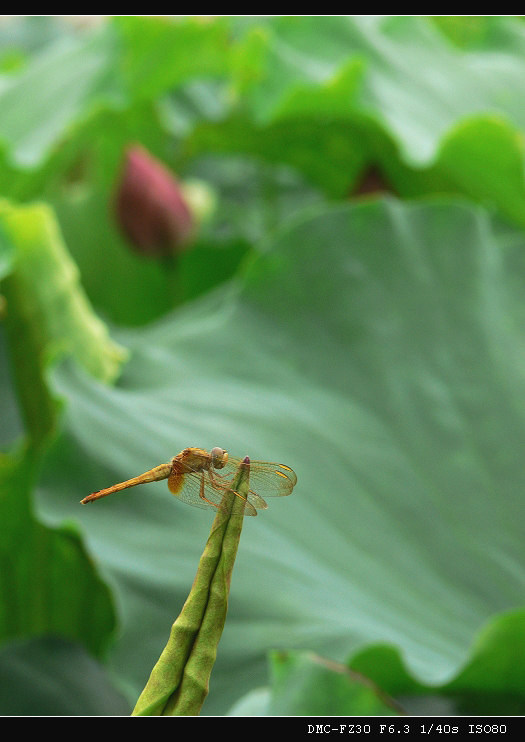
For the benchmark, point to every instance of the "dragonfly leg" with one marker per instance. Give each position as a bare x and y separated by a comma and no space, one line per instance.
214,477
203,496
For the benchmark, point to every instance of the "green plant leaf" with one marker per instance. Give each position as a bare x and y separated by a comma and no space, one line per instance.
494,675
51,676
60,86
48,584
399,86
490,681
468,31
6,254
160,53
45,281
11,429
254,703
378,350
304,684
31,33
333,96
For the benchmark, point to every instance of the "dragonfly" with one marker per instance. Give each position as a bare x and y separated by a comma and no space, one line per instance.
201,478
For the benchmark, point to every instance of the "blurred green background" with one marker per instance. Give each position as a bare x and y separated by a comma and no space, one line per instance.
348,299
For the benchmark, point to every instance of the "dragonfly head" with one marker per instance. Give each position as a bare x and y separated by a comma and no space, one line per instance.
219,457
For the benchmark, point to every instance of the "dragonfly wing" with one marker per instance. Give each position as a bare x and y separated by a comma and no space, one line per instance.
267,479
256,501
222,484
189,485
202,490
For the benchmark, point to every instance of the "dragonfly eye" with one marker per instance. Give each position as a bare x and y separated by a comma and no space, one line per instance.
219,457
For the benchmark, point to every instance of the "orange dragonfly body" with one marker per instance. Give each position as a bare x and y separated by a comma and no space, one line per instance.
201,479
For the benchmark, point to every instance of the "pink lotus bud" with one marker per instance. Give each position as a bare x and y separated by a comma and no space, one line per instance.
151,208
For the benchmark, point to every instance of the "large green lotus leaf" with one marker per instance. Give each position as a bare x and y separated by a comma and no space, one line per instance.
160,53
466,31
12,427
22,36
304,684
51,676
492,681
335,95
480,156
52,108
59,87
374,348
46,282
6,253
415,82
48,584
68,79
330,152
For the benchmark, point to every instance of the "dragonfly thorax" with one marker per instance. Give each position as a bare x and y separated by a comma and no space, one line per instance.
197,459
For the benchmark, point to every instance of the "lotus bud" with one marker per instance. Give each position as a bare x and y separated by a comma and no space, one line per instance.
151,208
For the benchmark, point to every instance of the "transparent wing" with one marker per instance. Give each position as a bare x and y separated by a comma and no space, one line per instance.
203,490
267,479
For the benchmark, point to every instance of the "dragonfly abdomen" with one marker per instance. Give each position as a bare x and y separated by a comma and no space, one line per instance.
153,475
